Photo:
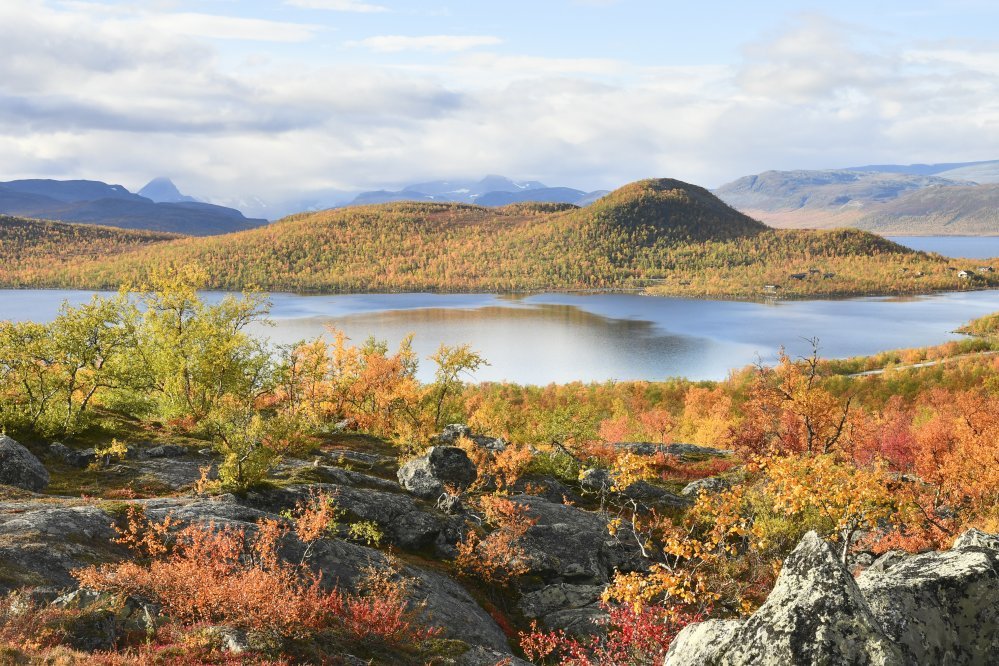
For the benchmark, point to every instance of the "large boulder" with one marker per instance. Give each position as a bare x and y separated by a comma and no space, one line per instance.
20,468
941,607
700,642
814,615
439,469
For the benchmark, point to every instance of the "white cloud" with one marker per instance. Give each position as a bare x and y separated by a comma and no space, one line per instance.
231,27
437,43
339,6
112,95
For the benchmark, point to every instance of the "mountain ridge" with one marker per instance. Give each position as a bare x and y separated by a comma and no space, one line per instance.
660,236
96,202
895,199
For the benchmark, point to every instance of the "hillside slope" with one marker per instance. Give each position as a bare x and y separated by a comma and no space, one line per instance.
960,210
662,235
31,247
918,199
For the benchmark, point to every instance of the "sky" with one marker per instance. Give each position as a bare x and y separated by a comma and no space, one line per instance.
269,99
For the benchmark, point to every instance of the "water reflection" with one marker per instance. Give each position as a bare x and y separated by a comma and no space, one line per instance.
531,343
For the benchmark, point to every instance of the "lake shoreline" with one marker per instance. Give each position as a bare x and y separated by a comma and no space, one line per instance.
561,337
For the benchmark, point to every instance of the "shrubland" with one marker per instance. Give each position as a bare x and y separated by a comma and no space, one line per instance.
901,459
661,236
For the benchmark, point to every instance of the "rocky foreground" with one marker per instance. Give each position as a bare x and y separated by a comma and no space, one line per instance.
932,608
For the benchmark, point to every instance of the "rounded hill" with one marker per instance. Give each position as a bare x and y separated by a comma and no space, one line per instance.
674,208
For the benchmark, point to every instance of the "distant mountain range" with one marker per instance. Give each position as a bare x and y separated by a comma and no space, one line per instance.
490,191
158,207
953,198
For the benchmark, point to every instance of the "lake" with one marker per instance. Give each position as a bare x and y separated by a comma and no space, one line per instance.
546,338
970,247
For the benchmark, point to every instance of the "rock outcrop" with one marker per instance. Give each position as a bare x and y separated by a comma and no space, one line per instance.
571,545
439,469
572,608
941,607
40,544
20,468
455,431
710,485
71,457
933,608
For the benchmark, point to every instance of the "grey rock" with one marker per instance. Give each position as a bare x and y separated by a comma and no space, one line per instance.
174,473
106,617
20,468
699,643
572,608
570,545
72,457
596,480
79,599
651,495
557,597
439,468
710,485
686,451
975,538
403,521
887,560
164,451
585,621
695,451
229,639
814,615
546,487
444,602
455,431
941,607
40,543
481,656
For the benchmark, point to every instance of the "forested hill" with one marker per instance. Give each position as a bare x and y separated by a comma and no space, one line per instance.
30,248
663,235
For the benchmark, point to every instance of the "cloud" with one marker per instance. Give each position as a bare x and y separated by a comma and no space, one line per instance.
230,27
338,6
98,92
436,43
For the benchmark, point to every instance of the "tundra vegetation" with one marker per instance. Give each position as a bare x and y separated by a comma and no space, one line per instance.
659,236
904,459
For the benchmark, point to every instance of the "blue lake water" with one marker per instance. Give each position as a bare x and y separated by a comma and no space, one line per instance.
971,247
563,337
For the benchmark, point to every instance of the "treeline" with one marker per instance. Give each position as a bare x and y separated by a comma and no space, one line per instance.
662,236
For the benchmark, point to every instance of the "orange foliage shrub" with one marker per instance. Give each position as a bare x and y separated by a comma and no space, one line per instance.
497,558
234,577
